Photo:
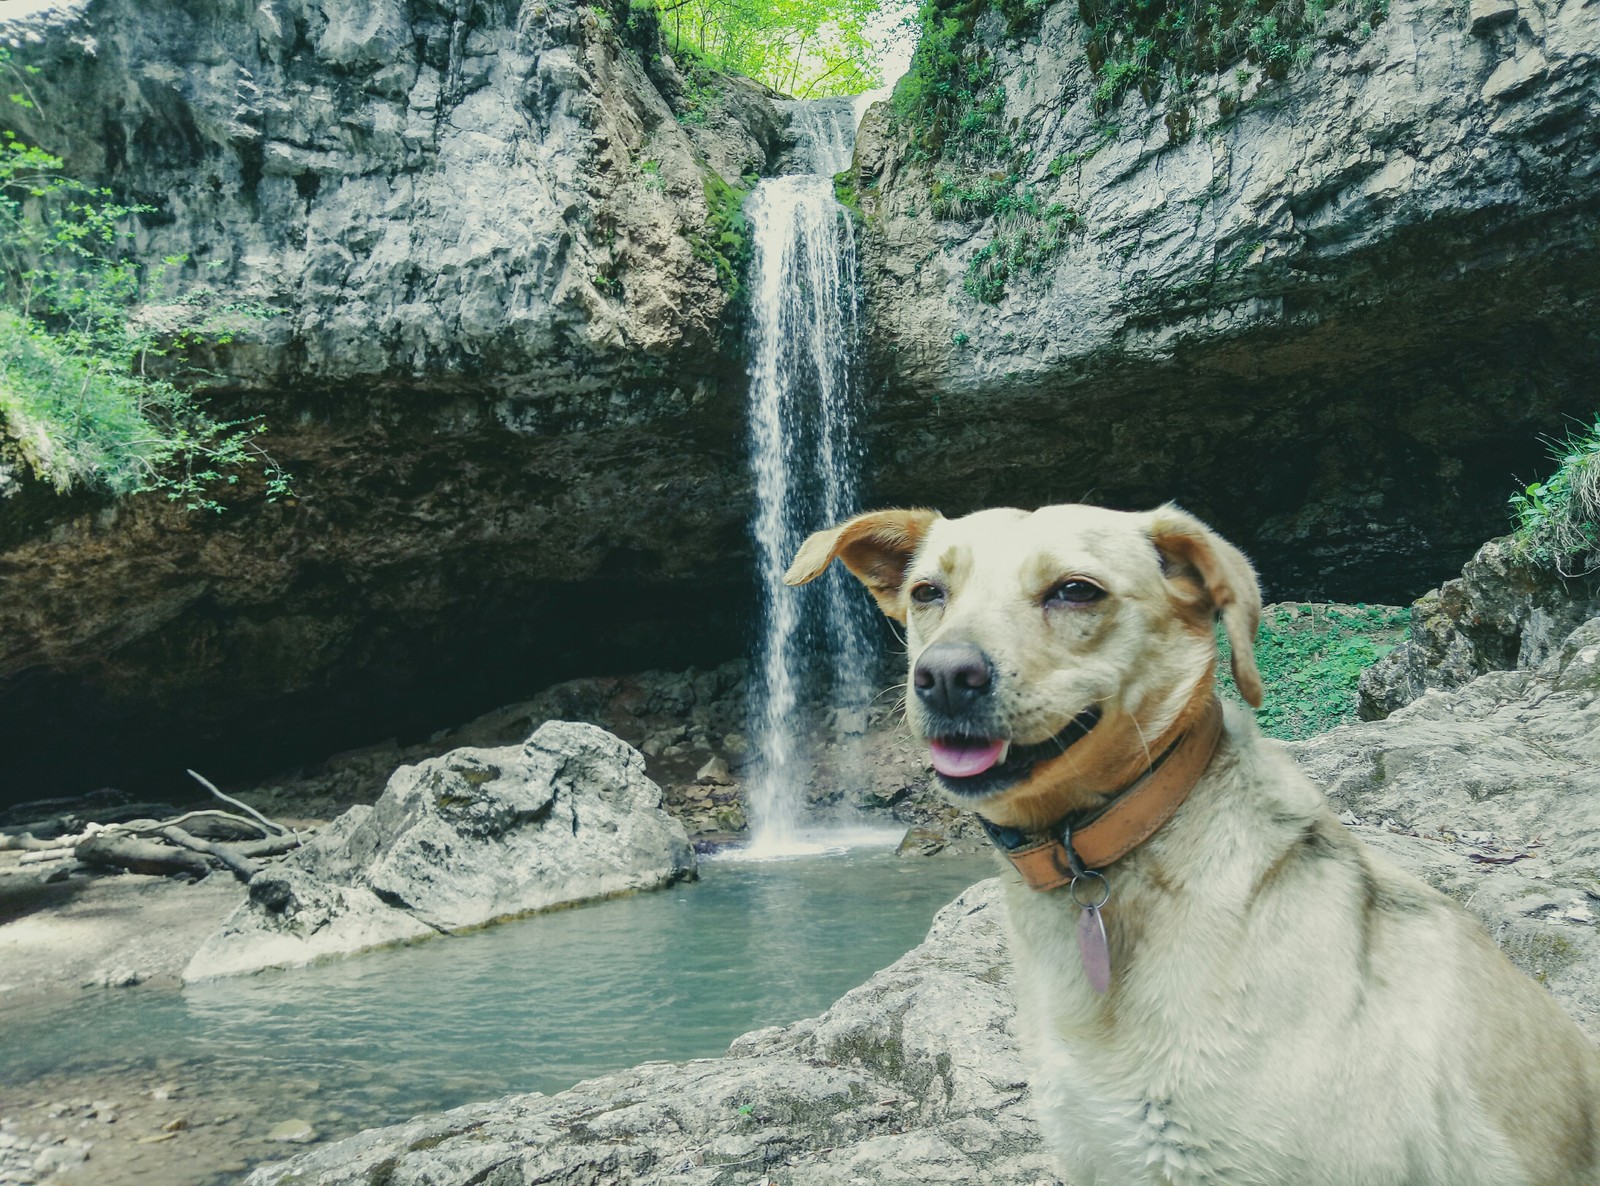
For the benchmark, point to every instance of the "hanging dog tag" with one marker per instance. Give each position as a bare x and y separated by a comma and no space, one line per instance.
1092,945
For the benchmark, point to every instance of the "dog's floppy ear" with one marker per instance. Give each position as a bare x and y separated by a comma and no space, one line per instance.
876,547
1192,553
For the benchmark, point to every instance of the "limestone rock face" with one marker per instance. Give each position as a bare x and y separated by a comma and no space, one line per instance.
499,368
1330,313
427,194
1503,613
458,841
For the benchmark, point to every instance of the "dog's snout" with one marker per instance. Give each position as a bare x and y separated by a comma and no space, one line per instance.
951,677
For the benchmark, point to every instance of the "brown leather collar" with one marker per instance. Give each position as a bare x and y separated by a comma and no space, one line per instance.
1048,860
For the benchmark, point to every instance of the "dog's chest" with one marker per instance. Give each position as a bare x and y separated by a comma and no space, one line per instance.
1126,1130
1129,1089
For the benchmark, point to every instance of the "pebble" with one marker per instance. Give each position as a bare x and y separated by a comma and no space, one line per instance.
60,1157
298,1131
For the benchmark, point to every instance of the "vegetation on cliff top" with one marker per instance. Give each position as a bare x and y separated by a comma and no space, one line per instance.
76,396
805,48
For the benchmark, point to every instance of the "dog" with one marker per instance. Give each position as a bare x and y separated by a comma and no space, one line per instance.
1218,985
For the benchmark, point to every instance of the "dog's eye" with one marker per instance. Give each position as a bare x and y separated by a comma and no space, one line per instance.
926,593
1074,592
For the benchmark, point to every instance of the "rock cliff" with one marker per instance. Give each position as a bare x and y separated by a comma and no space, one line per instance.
500,371
1326,302
1329,305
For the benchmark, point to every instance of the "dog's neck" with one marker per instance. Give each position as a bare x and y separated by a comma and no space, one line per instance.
1051,856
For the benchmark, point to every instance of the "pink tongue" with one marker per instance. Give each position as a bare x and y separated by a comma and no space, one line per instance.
955,759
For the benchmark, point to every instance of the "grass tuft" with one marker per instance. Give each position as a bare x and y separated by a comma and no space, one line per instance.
1558,520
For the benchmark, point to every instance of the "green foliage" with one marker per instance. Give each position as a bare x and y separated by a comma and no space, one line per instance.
844,191
805,48
725,244
1311,657
1165,46
76,395
1558,520
951,105
1025,240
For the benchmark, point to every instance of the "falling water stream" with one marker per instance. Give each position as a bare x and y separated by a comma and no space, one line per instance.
805,452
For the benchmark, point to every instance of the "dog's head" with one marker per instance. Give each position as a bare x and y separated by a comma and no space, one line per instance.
1050,650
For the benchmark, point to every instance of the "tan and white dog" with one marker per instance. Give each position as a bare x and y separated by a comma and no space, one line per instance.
1282,1006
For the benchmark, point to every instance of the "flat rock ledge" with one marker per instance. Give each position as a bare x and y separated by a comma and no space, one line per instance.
471,837
915,1077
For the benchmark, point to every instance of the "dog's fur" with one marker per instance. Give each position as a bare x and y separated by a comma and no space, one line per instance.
1286,1007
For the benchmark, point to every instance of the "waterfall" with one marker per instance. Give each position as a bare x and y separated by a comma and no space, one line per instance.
804,451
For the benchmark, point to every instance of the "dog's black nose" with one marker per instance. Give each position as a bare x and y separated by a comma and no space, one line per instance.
950,677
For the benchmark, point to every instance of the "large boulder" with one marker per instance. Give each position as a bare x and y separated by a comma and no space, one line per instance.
1505,611
457,841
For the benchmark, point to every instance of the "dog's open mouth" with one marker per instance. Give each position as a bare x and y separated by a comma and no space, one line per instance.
987,765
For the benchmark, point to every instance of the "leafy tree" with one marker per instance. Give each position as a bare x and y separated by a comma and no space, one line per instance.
805,48
76,394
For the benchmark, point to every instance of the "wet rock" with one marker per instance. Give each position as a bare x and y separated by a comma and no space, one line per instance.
298,1132
116,978
922,842
714,773
58,1158
458,841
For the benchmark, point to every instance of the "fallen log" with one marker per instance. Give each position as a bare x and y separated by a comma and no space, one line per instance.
133,845
116,850
241,867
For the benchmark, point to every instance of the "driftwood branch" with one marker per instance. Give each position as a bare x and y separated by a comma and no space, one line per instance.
267,846
244,807
166,847
152,827
241,867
